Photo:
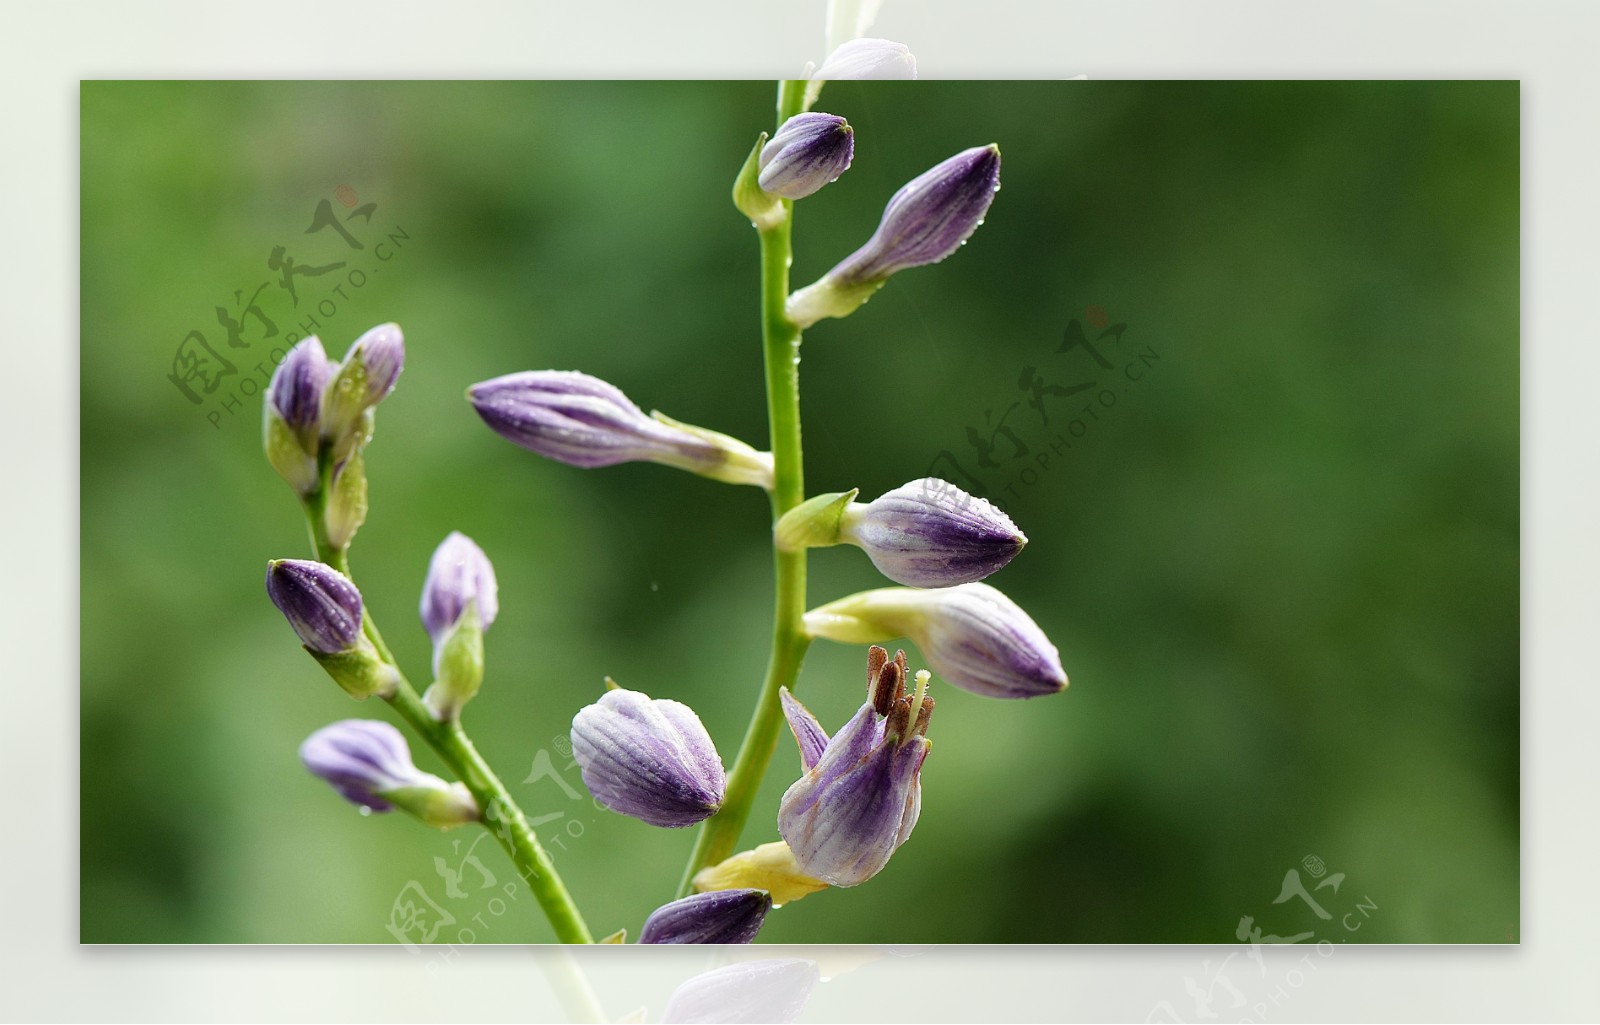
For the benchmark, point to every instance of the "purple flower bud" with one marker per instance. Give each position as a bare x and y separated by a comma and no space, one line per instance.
459,573
583,421
858,802
972,636
721,916
652,760
369,764
772,990
381,353
295,392
929,217
931,534
321,604
868,59
927,220
365,378
361,758
809,151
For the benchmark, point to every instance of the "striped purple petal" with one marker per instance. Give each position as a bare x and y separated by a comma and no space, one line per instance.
651,759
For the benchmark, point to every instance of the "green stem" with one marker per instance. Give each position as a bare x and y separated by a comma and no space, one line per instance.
781,354
502,817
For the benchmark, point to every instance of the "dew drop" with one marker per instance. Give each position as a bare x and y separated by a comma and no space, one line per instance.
364,810
654,586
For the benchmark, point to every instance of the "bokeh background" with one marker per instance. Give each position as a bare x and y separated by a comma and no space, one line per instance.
1281,561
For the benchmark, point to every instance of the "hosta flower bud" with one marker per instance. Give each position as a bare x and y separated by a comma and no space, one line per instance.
771,990
324,608
460,599
365,378
927,220
458,574
583,421
722,916
652,760
860,795
931,534
369,764
972,636
880,59
292,414
770,867
809,151
321,604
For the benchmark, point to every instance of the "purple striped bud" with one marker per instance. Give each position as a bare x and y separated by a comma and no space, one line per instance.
927,220
369,764
860,796
807,152
365,378
295,392
771,990
652,760
324,608
721,916
583,421
880,59
458,574
459,600
291,414
972,636
321,604
929,533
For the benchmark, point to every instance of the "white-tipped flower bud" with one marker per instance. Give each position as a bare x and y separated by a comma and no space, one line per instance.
370,766
972,636
927,220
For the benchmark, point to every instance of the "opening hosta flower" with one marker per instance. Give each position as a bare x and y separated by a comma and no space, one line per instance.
861,793
973,636
649,759
583,421
722,916
369,764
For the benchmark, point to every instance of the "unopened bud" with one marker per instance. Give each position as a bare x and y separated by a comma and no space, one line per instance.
809,151
369,764
365,378
583,421
927,220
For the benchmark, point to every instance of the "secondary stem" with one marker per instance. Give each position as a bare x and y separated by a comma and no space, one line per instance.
781,356
501,815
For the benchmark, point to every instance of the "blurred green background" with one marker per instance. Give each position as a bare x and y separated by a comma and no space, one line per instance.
1281,564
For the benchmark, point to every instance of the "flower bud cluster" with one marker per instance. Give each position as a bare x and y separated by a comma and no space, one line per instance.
317,419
